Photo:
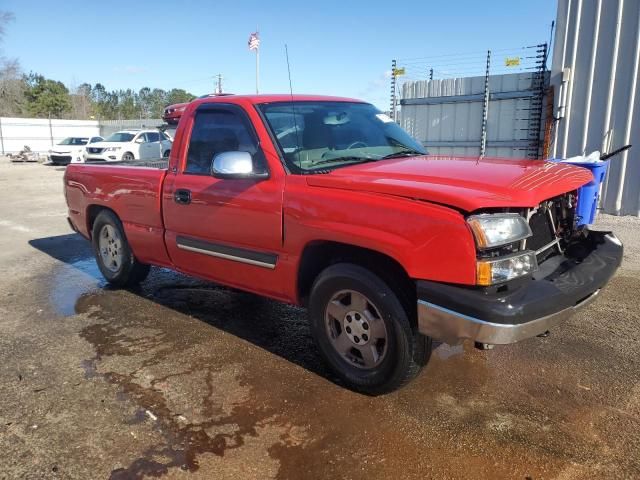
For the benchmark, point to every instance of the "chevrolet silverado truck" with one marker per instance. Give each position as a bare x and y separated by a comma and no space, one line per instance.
327,203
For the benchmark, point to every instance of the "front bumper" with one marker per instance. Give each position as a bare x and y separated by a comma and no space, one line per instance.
563,285
60,158
103,157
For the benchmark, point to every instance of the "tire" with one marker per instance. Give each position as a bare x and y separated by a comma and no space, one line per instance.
382,351
113,253
166,154
128,157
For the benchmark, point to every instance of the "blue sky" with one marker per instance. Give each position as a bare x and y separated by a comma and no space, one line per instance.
335,47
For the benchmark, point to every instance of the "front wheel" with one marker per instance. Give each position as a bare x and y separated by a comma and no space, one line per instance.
128,157
113,253
363,331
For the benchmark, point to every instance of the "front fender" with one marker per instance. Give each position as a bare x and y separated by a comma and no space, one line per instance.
431,242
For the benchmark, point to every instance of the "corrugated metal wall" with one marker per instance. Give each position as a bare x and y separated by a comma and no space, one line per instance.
597,99
446,114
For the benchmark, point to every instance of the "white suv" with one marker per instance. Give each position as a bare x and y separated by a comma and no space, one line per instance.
128,145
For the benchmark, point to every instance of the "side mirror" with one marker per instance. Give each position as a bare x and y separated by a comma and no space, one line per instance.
234,165
140,140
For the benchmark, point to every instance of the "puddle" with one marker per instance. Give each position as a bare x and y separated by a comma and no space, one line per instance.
70,281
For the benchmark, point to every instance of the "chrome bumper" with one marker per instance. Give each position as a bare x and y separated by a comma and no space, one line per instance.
452,327
453,313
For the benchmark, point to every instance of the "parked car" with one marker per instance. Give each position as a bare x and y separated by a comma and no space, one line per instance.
128,145
387,247
71,150
172,113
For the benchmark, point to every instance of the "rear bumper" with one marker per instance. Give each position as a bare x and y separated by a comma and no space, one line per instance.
452,313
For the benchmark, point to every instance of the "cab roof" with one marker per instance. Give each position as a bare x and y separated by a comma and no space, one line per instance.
271,98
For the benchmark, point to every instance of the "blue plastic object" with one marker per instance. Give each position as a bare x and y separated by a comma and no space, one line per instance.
588,195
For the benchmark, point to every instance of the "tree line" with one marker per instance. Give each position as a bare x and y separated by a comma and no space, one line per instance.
33,95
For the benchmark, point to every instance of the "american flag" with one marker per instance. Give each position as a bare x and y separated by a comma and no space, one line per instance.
254,41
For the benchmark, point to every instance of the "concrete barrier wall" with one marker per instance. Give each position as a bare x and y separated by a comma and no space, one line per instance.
40,134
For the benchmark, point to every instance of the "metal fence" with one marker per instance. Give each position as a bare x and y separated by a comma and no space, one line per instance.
474,104
40,134
107,127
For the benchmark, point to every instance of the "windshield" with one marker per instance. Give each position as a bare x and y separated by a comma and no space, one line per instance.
74,141
326,135
120,137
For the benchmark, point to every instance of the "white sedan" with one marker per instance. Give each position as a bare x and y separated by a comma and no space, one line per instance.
71,150
128,145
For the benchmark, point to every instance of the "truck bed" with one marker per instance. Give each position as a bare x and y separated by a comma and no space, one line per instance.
133,190
161,163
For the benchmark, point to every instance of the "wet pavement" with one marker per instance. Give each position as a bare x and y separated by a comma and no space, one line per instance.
184,379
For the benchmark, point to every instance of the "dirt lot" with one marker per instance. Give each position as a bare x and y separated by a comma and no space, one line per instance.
183,379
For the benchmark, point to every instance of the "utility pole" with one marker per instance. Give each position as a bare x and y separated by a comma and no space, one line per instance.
219,84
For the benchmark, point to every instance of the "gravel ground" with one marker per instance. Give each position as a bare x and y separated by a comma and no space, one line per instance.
184,379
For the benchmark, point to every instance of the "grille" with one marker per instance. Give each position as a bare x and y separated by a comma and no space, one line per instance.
541,229
60,158
95,150
546,235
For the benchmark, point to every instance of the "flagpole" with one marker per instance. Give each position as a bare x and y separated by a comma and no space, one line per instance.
257,67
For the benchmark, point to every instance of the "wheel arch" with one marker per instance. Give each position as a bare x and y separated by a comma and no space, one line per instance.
93,211
318,255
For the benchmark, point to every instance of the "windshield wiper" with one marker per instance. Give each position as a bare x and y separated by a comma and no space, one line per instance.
404,153
346,159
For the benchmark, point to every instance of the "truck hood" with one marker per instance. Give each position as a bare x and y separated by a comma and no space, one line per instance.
465,183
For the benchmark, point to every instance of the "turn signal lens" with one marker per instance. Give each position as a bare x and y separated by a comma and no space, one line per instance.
490,272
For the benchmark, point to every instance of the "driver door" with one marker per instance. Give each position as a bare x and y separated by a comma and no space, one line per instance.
227,230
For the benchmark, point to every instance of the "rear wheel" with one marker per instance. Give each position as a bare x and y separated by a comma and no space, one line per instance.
363,331
113,253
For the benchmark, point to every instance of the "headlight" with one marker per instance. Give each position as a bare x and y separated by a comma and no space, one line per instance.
489,272
495,229
112,149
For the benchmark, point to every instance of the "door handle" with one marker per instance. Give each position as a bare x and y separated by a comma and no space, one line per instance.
182,196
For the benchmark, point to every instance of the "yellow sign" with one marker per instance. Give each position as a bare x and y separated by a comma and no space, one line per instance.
512,61
399,71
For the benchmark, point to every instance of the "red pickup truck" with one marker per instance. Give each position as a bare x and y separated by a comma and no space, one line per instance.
325,202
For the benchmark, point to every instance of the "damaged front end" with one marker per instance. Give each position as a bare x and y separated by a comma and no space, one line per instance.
565,268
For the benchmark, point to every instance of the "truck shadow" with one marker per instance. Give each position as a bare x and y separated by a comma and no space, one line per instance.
280,329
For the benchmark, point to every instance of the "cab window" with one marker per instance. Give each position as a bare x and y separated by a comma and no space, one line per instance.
217,131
